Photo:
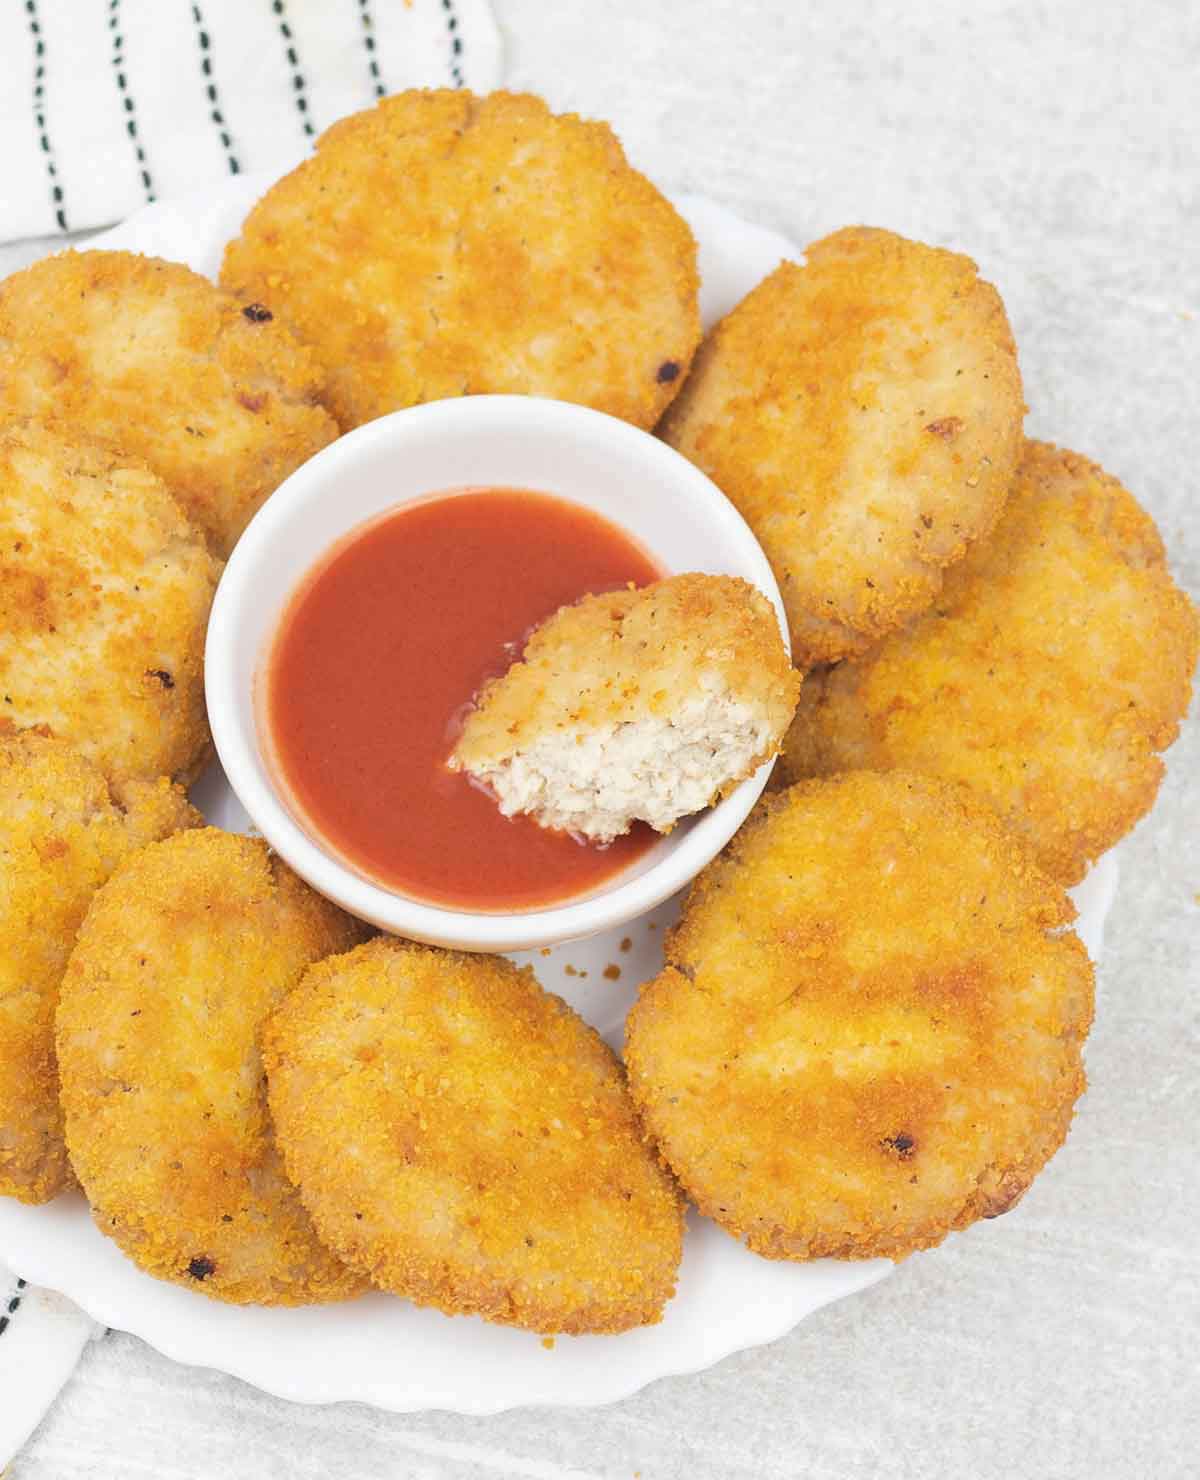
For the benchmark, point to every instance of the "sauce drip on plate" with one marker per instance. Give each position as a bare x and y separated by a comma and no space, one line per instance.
375,662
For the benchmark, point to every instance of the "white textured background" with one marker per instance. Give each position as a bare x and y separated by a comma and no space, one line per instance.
1057,142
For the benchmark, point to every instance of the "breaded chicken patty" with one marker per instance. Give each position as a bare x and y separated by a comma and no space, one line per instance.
216,397
466,1140
62,833
442,244
641,704
863,412
1053,668
868,1029
105,591
182,956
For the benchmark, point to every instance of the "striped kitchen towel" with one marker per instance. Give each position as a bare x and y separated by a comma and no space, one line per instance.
108,104
41,1337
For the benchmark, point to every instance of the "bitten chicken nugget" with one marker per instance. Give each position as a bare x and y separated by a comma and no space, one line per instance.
640,704
218,400
1054,667
864,414
442,244
62,832
105,591
868,1029
466,1140
182,955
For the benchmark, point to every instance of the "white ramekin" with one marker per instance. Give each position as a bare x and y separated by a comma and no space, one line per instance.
631,478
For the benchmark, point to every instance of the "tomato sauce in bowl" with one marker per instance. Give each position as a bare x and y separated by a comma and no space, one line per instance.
374,664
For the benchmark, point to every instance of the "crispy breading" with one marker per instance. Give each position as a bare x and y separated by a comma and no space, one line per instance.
181,957
105,591
647,703
465,1139
442,244
221,402
1054,667
62,833
868,1029
864,414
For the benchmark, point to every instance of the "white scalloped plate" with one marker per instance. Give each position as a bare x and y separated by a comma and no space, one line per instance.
382,1350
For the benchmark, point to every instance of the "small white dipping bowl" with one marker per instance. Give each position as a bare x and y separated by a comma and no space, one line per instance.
624,474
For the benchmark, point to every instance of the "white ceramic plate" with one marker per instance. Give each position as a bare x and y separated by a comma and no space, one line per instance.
378,1349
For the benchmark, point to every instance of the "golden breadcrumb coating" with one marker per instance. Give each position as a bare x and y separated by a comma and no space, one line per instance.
644,703
442,244
219,400
466,1140
105,591
62,833
868,1029
1054,667
864,414
182,956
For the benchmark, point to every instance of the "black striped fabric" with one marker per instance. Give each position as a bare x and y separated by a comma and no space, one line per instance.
107,105
293,60
12,1305
210,90
39,112
368,26
127,104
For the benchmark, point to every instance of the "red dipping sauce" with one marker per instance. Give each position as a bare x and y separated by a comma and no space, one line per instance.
376,659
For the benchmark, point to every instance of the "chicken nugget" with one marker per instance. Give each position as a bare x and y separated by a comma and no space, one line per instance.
639,704
442,244
1054,667
864,414
62,833
465,1139
221,402
181,957
105,591
868,1029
